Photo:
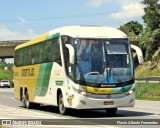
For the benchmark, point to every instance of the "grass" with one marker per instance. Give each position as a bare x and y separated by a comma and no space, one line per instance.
148,91
148,69
5,74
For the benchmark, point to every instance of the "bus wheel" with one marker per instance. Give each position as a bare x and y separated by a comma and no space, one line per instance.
111,111
25,100
62,108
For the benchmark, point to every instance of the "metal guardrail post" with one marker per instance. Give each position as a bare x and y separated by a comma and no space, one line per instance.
148,79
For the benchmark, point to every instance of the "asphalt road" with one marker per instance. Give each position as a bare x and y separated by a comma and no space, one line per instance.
10,108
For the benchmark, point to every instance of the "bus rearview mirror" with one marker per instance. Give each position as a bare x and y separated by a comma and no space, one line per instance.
71,53
139,53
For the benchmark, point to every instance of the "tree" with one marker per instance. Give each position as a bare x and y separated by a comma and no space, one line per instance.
132,28
150,40
152,14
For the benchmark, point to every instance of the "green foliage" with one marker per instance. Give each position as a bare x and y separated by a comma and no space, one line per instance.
152,13
147,91
150,40
132,28
5,74
2,65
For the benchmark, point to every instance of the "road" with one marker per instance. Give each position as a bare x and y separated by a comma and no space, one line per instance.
10,108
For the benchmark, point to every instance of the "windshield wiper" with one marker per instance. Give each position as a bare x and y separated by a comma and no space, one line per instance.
114,72
108,71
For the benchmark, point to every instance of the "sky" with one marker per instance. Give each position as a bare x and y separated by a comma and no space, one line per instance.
26,19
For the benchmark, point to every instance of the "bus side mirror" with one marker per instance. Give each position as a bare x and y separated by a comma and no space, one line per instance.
71,53
139,53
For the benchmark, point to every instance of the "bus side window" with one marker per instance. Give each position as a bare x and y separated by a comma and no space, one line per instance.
16,56
29,56
21,58
33,54
40,51
57,53
52,52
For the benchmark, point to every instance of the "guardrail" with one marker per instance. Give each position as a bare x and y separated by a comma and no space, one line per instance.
148,79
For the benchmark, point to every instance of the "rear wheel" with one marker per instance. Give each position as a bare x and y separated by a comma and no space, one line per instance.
111,111
62,108
25,100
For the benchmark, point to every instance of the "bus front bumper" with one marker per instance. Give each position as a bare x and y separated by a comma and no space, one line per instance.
84,102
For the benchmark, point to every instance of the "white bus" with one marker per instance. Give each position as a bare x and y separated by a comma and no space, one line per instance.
79,67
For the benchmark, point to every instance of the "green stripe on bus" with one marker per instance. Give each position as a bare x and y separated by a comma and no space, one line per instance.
121,89
52,36
43,79
126,88
115,89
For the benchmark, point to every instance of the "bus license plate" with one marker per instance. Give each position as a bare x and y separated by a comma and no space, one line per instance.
108,102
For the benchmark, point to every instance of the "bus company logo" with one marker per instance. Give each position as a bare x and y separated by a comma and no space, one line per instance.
27,72
108,96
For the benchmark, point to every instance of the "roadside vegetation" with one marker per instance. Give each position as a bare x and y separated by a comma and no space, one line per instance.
148,69
6,74
148,91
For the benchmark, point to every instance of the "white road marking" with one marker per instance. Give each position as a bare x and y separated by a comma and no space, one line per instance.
7,111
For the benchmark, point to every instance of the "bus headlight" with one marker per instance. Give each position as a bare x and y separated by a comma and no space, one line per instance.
131,91
81,92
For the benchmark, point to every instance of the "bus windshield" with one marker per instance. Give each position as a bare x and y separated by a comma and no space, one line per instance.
102,61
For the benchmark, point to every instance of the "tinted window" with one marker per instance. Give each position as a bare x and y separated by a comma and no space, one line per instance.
43,52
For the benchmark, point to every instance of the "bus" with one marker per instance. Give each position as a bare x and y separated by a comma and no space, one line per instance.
77,67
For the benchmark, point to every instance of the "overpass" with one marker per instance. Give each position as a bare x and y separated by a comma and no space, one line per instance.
7,47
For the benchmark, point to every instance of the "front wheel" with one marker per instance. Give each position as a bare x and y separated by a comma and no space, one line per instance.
111,111
62,108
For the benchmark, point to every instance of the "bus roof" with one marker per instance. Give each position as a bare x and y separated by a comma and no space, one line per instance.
90,32
78,32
